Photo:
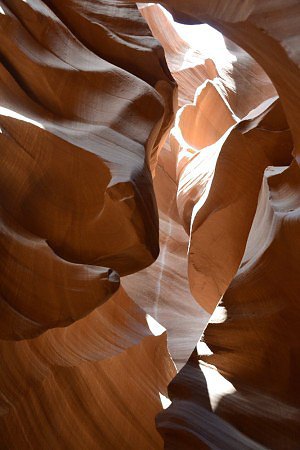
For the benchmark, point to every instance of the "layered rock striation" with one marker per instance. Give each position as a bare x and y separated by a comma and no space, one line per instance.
114,146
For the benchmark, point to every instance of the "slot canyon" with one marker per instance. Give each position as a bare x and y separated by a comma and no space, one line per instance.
150,225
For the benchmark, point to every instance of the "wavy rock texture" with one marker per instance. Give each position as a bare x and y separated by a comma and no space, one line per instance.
200,53
176,310
75,174
89,176
239,389
162,290
225,198
268,31
68,389
78,211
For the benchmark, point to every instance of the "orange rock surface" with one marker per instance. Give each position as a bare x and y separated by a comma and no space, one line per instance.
149,224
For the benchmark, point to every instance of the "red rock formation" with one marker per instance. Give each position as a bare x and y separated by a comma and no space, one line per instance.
87,102
202,53
162,290
268,31
222,218
95,384
78,210
75,176
239,390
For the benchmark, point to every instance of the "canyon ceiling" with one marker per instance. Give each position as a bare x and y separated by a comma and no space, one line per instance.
150,224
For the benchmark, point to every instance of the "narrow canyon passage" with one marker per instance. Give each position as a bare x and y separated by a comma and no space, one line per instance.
149,225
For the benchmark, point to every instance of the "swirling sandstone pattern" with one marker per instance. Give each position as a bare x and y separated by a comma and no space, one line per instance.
70,198
90,172
268,30
239,390
209,57
78,210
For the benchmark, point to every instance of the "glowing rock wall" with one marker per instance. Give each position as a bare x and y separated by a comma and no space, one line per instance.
97,174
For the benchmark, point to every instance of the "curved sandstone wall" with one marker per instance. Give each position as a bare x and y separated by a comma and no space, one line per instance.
149,225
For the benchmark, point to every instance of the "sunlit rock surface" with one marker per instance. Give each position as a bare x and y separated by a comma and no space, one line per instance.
268,31
77,143
96,176
199,52
239,388
78,212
